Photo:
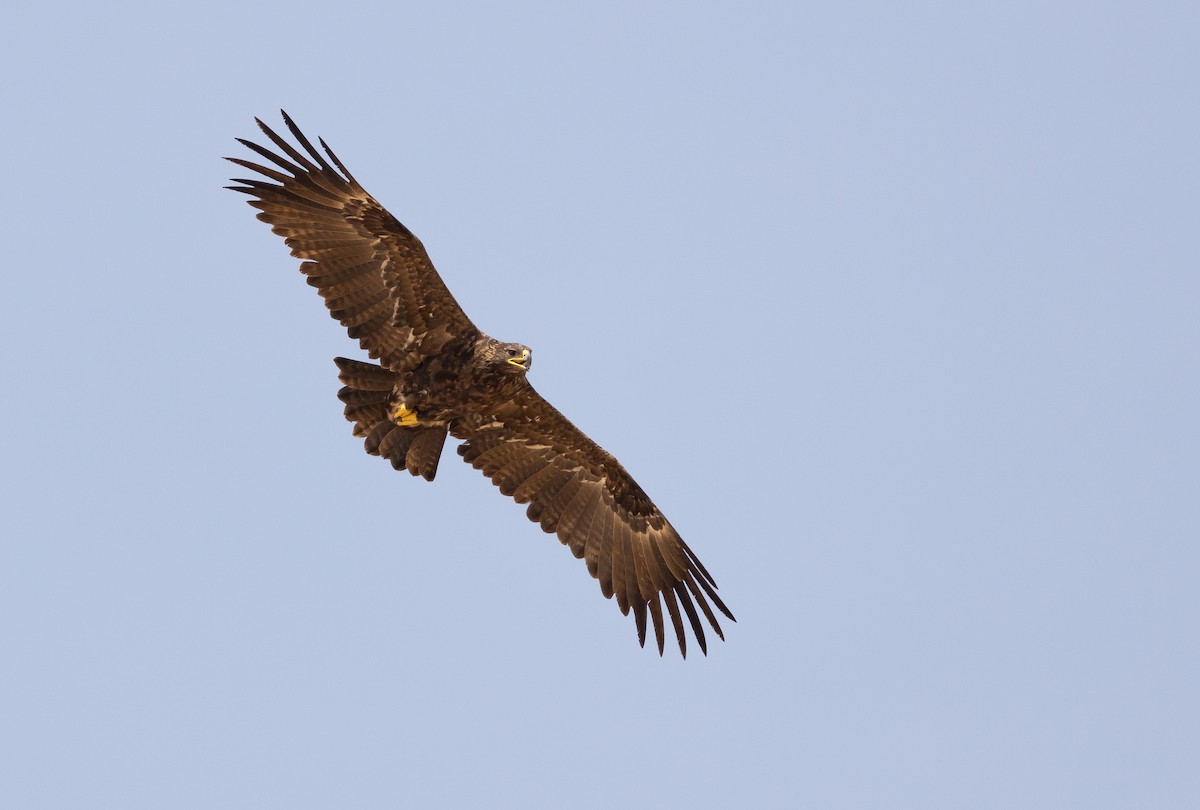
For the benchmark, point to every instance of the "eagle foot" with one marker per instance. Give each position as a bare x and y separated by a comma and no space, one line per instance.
404,417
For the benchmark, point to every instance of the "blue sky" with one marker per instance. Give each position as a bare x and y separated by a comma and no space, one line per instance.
893,311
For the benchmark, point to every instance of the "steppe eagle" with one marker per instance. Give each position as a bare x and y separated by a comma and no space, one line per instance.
438,374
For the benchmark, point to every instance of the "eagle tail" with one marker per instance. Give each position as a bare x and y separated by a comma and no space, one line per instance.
368,389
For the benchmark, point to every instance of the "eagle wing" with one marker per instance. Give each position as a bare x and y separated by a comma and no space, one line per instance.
373,273
579,491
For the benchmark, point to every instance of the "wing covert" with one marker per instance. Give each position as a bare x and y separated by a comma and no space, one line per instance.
580,492
373,273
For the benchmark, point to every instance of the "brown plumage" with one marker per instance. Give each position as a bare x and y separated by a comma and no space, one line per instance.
439,374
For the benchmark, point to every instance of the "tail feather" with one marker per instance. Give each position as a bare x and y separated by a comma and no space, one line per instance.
425,452
365,376
368,389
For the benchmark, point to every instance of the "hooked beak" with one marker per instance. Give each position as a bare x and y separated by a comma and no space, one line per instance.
521,362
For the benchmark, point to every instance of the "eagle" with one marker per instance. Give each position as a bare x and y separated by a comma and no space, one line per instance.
438,374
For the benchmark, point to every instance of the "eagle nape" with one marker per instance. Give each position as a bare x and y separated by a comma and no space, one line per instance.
437,375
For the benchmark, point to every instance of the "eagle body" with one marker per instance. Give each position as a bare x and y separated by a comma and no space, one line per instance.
438,375
464,379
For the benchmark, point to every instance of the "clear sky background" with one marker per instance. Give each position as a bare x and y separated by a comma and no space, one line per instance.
892,308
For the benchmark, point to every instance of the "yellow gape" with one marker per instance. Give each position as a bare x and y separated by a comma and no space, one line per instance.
519,362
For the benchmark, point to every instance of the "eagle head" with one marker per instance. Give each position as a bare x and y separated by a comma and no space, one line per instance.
513,358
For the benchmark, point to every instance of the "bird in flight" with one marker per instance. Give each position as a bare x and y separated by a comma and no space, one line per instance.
438,374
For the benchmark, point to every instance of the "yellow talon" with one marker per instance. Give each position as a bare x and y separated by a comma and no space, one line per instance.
403,416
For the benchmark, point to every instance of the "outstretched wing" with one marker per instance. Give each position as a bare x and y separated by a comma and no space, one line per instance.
578,490
374,275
